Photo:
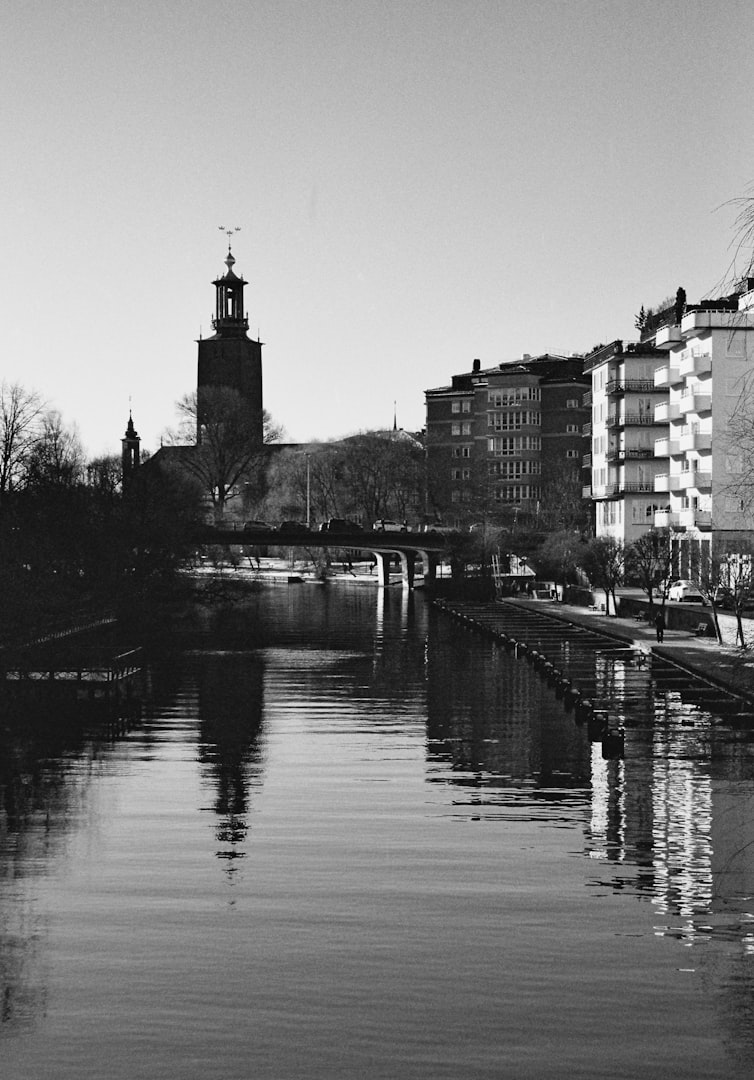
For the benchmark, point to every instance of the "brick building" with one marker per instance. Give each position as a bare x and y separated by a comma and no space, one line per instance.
500,439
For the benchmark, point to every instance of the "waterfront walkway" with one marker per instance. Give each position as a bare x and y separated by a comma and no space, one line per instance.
722,665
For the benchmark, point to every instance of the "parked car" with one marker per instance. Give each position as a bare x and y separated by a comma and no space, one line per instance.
293,527
440,530
386,525
255,526
339,525
683,591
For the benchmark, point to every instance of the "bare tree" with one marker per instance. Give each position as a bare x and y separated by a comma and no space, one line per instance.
228,456
650,558
605,563
736,576
383,476
561,553
563,506
56,458
105,474
20,417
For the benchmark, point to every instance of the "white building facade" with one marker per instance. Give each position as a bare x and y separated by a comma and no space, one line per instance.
626,426
709,377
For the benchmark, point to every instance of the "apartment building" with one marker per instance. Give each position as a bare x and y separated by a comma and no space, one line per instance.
498,438
628,420
708,375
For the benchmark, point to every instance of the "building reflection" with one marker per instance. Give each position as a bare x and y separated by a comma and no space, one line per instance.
47,766
494,726
230,693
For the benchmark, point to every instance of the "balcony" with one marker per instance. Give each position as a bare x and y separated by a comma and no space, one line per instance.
636,386
630,453
668,482
666,376
663,519
692,362
665,412
587,398
631,419
691,519
694,322
693,478
667,336
587,428
691,438
667,448
629,487
586,491
695,402
586,461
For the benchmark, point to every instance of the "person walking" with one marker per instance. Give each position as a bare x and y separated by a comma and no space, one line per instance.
660,625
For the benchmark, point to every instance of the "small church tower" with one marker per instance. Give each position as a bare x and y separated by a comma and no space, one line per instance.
230,358
131,444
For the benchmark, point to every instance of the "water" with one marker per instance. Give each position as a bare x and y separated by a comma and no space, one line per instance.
351,839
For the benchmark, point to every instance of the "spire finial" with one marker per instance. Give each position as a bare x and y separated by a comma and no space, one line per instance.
229,232
395,416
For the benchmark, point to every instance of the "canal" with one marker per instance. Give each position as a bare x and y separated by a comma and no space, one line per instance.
349,838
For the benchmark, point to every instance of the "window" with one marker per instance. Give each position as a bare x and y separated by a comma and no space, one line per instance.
466,406
512,421
510,445
572,453
466,428
513,470
572,403
572,429
455,406
512,395
516,492
455,429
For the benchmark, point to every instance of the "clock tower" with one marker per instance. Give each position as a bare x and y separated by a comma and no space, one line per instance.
230,359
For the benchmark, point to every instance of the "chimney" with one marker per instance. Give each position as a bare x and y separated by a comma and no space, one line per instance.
476,367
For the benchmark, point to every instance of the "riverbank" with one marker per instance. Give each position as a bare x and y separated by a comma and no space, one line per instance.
723,665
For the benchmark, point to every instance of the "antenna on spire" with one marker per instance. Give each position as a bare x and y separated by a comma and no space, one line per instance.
395,417
229,232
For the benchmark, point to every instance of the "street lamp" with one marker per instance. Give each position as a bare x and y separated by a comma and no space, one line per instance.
308,492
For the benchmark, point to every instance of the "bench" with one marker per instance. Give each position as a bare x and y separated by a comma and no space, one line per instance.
597,608
639,616
701,629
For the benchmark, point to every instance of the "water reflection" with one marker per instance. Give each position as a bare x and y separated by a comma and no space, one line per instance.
493,727
230,698
331,692
47,764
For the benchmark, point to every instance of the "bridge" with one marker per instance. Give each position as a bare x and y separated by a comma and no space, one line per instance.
381,545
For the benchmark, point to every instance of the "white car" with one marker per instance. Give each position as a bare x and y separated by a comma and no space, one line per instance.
385,525
683,591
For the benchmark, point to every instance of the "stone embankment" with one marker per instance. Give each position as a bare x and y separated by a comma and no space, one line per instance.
521,624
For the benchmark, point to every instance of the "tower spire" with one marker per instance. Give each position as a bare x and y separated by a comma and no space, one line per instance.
230,320
131,444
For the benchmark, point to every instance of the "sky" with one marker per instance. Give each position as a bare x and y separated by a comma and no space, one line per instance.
418,183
